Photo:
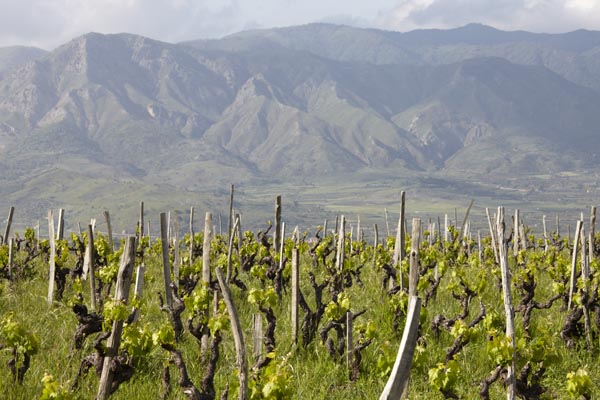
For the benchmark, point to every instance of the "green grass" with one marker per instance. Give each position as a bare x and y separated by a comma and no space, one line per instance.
313,373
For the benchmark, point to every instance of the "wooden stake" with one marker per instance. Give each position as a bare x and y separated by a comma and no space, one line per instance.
6,236
165,259
11,245
191,236
230,222
52,270
295,291
413,277
230,249
508,306
492,235
176,260
257,336
206,248
399,248
277,232
238,337
573,280
349,338
546,242
400,373
109,229
339,257
114,341
91,267
61,224
592,246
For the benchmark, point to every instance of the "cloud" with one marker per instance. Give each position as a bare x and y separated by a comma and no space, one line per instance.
48,23
533,15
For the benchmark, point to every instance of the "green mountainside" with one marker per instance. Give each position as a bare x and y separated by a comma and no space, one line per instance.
333,117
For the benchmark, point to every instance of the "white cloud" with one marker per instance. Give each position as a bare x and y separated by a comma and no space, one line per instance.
49,23
533,15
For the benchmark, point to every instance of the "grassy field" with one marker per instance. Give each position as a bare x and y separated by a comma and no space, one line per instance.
310,372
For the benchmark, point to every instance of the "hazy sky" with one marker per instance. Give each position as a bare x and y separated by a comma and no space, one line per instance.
49,23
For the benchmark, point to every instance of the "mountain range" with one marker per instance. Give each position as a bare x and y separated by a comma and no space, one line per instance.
106,121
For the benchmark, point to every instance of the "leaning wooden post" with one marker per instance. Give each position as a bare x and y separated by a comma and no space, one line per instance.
91,267
52,270
109,229
339,257
139,287
401,371
399,249
413,277
573,280
230,248
508,306
492,235
295,291
61,224
238,337
11,212
165,259
114,341
464,225
277,232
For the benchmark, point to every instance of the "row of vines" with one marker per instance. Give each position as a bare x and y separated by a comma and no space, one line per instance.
335,335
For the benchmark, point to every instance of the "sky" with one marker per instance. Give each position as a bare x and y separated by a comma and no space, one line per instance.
50,23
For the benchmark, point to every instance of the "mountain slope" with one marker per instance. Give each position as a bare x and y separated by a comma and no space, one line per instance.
294,105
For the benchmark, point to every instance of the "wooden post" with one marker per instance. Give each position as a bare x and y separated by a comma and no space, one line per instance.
516,233
230,248
358,233
230,223
573,280
257,336
165,259
141,226
11,245
492,235
206,248
325,229
295,290
114,341
238,337
169,227
446,226
61,224
239,232
109,229
6,236
387,224
139,287
91,267
176,255
592,246
191,235
399,249
375,244
508,306
546,242
400,373
464,223
277,232
339,257
413,277
52,270
349,338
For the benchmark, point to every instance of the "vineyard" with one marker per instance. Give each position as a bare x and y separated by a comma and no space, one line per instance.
322,314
